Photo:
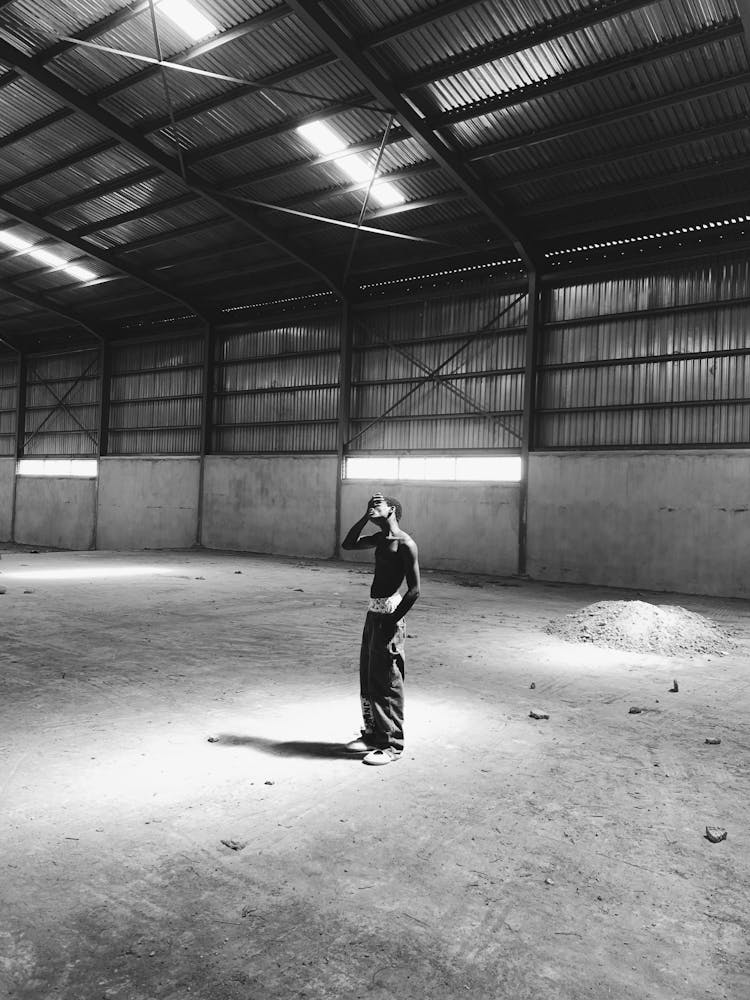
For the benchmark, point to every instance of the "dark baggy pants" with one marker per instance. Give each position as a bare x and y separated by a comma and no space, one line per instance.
381,683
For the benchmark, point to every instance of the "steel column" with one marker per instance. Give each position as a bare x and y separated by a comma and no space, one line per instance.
20,430
207,421
344,414
529,411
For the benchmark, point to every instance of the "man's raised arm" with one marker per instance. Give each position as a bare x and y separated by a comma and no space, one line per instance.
353,541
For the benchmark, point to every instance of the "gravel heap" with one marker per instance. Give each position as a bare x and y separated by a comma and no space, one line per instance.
642,628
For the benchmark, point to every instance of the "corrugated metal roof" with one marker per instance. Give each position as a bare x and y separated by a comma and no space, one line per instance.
596,108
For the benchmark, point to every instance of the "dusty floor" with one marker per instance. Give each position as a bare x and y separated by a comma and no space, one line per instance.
502,857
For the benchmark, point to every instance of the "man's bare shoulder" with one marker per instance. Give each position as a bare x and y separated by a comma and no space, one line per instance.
408,543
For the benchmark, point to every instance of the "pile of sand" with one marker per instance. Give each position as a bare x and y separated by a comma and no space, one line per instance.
642,628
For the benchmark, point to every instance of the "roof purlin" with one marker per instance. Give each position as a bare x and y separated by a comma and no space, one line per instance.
509,46
31,68
648,184
50,168
362,66
723,202
619,153
598,71
615,115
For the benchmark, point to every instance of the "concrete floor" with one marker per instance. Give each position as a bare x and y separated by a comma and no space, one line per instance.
502,857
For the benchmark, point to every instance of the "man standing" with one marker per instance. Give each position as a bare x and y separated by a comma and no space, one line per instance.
381,658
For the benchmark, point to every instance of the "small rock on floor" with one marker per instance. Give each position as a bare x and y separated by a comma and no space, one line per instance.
715,834
234,845
534,714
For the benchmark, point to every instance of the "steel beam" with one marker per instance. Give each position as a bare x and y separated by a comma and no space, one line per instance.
359,63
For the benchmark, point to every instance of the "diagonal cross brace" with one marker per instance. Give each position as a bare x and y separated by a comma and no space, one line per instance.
432,374
61,404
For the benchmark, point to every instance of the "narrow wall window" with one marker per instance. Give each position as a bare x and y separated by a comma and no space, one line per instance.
84,468
435,468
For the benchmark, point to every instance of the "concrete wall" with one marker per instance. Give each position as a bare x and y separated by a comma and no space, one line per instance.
7,476
675,521
279,504
148,503
55,511
467,527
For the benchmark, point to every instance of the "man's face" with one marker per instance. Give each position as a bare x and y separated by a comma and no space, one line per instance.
378,508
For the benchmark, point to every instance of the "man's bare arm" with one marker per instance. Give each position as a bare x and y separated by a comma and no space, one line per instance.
353,541
410,556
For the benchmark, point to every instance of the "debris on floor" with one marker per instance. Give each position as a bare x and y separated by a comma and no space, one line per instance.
634,710
641,628
675,687
715,834
213,739
535,714
235,845
713,741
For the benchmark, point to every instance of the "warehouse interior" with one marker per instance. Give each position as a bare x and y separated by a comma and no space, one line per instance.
258,261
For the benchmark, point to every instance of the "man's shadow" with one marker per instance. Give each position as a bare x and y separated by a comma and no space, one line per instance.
289,748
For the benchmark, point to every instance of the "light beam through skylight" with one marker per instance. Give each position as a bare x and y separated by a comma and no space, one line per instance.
46,257
188,18
356,167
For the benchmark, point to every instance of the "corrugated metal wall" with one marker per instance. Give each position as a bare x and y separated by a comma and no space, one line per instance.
654,360
62,404
156,396
649,361
276,387
447,371
8,401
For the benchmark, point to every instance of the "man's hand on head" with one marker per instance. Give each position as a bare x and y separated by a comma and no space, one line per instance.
374,500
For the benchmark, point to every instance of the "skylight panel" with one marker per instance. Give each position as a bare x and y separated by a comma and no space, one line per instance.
14,242
46,257
188,18
356,167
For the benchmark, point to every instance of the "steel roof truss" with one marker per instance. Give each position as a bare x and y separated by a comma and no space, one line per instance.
153,154
358,62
